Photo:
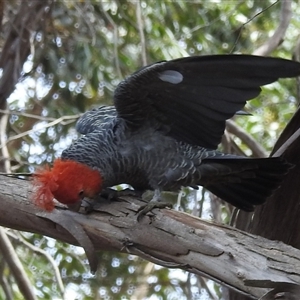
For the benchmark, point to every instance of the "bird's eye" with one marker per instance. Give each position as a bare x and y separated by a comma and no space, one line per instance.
80,194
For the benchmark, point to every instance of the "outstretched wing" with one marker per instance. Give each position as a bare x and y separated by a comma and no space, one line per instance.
191,98
92,119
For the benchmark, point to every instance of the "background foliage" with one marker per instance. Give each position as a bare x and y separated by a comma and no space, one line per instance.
76,58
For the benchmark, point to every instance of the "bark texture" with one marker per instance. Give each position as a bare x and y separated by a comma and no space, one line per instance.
247,263
278,218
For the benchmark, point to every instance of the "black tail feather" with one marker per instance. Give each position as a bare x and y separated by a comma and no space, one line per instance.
245,182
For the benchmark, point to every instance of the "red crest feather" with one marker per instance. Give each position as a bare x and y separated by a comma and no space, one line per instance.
44,185
67,181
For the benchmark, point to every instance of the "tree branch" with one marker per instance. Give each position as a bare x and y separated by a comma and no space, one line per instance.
39,251
278,36
64,120
169,238
116,37
141,32
256,148
6,287
278,218
15,266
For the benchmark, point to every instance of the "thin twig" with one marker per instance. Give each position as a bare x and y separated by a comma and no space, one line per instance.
125,15
141,32
3,145
251,19
6,287
284,147
23,114
212,22
278,36
202,281
142,287
16,266
39,251
236,149
83,15
255,147
116,37
226,142
296,56
197,211
60,120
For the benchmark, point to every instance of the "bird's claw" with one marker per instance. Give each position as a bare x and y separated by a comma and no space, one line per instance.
111,194
144,209
107,194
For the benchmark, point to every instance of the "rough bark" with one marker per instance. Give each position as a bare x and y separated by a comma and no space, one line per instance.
278,218
167,237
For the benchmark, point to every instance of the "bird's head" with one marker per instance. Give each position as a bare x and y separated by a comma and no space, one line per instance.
67,181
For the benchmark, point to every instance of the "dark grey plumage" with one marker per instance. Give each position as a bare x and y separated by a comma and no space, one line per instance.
169,118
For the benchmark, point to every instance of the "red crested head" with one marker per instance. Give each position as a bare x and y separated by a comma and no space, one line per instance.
67,181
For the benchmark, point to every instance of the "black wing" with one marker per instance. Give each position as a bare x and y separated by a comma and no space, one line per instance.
190,98
92,120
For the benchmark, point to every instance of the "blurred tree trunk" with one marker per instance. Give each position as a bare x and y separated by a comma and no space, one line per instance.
278,219
19,35
29,20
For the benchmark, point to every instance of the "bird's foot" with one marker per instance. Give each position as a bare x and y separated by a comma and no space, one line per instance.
111,194
144,209
108,194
